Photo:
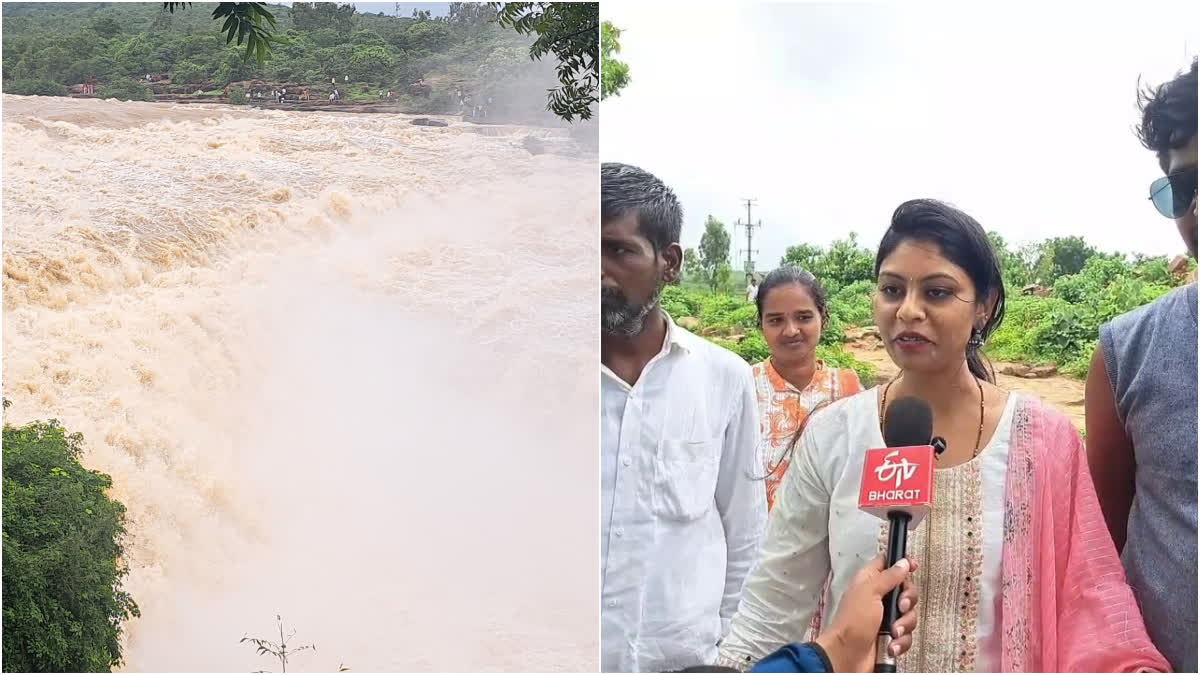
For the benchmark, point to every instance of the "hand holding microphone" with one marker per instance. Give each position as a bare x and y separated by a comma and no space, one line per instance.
849,641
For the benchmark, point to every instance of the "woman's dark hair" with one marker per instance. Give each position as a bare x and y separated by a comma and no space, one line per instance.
782,276
788,274
963,242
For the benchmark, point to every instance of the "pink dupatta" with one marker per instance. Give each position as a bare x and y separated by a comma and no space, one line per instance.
1066,605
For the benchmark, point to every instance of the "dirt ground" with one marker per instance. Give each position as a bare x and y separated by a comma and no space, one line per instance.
1059,391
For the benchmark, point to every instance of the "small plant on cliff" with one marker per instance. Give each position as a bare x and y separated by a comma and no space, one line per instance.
63,603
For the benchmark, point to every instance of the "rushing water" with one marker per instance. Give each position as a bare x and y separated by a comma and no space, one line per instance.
340,368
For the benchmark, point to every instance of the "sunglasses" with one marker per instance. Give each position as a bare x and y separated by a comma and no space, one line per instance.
1173,194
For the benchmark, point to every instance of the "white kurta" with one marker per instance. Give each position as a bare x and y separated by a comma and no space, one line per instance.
816,527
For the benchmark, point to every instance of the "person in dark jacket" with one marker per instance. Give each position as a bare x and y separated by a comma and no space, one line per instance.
848,644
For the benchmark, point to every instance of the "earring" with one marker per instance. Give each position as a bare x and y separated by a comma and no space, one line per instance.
976,340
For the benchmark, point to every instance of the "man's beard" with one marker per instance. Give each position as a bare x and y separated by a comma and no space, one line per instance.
619,317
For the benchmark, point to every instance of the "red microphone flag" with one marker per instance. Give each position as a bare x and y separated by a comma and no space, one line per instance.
898,479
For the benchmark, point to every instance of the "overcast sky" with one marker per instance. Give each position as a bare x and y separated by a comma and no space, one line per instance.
832,114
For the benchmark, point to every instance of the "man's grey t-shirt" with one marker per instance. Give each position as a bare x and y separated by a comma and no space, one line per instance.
1150,354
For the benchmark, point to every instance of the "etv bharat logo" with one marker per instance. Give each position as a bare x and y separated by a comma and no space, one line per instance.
901,471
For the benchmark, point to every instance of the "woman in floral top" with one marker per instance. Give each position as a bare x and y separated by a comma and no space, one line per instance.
792,382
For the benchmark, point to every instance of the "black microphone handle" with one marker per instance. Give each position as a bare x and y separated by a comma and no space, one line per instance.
897,548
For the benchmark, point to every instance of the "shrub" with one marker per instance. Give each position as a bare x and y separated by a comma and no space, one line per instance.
852,304
127,90
63,603
836,356
34,87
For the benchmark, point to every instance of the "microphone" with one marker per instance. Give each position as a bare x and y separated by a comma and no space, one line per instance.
897,484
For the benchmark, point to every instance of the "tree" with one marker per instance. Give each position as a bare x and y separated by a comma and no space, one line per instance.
614,74
805,256
127,90
325,38
107,27
98,69
847,262
714,253
570,30
369,64
473,16
691,265
1062,256
137,56
1015,271
63,602
367,38
314,15
189,73
34,87
429,35
61,47
46,62
245,20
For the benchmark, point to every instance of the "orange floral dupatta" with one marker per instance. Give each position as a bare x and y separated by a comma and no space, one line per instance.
783,409
1066,605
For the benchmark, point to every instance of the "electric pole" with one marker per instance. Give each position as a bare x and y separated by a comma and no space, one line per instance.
749,225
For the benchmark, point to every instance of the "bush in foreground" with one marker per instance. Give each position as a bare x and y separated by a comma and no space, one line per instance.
63,603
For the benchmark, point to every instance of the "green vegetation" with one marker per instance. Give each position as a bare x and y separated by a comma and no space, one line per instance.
1063,328
731,322
569,30
614,73
479,50
714,254
63,603
247,21
1083,289
127,90
34,87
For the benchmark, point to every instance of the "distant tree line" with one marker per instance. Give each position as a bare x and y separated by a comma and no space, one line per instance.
482,48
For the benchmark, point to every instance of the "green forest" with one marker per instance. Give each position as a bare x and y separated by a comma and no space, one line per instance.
430,63
1059,292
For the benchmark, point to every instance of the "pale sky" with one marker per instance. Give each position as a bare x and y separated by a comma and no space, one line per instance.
832,114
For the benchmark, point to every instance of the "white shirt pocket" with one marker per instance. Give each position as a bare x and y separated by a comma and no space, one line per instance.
685,478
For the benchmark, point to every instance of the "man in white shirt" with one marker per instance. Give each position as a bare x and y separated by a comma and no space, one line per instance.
751,288
683,506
